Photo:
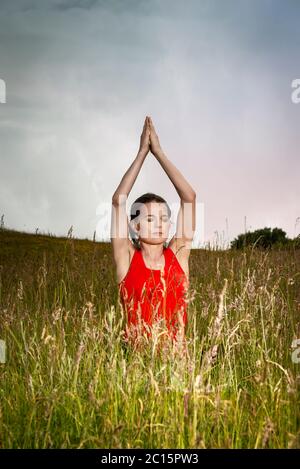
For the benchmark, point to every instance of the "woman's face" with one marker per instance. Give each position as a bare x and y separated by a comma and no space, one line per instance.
153,223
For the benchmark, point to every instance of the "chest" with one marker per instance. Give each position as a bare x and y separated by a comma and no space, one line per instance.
150,284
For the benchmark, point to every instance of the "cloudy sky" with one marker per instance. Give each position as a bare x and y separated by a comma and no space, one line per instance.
215,76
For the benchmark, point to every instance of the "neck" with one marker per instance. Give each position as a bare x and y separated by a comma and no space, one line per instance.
152,251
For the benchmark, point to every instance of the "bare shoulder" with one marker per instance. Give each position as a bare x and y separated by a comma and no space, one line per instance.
122,246
182,249
123,258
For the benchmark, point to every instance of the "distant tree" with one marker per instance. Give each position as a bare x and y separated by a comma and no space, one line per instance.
263,238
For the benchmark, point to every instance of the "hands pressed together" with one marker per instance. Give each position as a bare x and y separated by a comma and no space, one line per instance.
149,138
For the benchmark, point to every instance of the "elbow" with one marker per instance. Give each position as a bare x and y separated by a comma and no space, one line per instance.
119,199
191,197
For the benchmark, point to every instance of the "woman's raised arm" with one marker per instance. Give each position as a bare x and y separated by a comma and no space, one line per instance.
119,233
132,172
186,219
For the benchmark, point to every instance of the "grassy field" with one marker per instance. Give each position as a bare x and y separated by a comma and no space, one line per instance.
69,382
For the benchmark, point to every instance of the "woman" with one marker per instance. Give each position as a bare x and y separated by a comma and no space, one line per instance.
153,277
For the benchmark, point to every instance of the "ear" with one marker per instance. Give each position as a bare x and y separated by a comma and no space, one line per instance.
134,228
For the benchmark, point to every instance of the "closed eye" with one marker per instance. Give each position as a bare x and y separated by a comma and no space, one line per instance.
165,219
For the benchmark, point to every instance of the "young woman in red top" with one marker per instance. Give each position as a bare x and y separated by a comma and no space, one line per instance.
153,277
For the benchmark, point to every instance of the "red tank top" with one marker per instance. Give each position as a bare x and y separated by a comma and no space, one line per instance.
148,295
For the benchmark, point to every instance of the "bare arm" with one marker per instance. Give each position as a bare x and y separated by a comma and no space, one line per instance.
183,188
186,219
129,178
121,243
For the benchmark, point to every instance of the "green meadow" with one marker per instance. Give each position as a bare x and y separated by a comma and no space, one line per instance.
67,379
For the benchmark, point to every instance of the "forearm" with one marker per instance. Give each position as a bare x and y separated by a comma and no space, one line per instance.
183,188
129,178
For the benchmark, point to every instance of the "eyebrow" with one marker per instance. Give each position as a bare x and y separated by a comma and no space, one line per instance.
164,215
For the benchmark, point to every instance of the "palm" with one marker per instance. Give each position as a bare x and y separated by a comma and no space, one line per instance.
145,137
154,140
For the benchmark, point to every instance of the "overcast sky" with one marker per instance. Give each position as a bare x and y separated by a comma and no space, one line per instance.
216,78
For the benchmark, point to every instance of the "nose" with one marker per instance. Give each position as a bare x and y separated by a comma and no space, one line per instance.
157,224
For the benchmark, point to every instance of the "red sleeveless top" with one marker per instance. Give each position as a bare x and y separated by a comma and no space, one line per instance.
148,295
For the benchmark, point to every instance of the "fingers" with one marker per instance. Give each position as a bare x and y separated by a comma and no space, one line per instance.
151,124
148,123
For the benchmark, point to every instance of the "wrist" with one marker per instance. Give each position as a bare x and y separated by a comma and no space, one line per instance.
160,153
142,153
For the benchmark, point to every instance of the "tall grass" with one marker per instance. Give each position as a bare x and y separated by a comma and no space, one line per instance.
70,381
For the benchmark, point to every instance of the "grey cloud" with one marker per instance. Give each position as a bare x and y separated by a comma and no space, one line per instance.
214,75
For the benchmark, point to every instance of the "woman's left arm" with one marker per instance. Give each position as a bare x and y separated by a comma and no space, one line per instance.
186,220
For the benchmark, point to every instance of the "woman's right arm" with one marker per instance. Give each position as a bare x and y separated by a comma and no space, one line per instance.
130,176
119,221
128,179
